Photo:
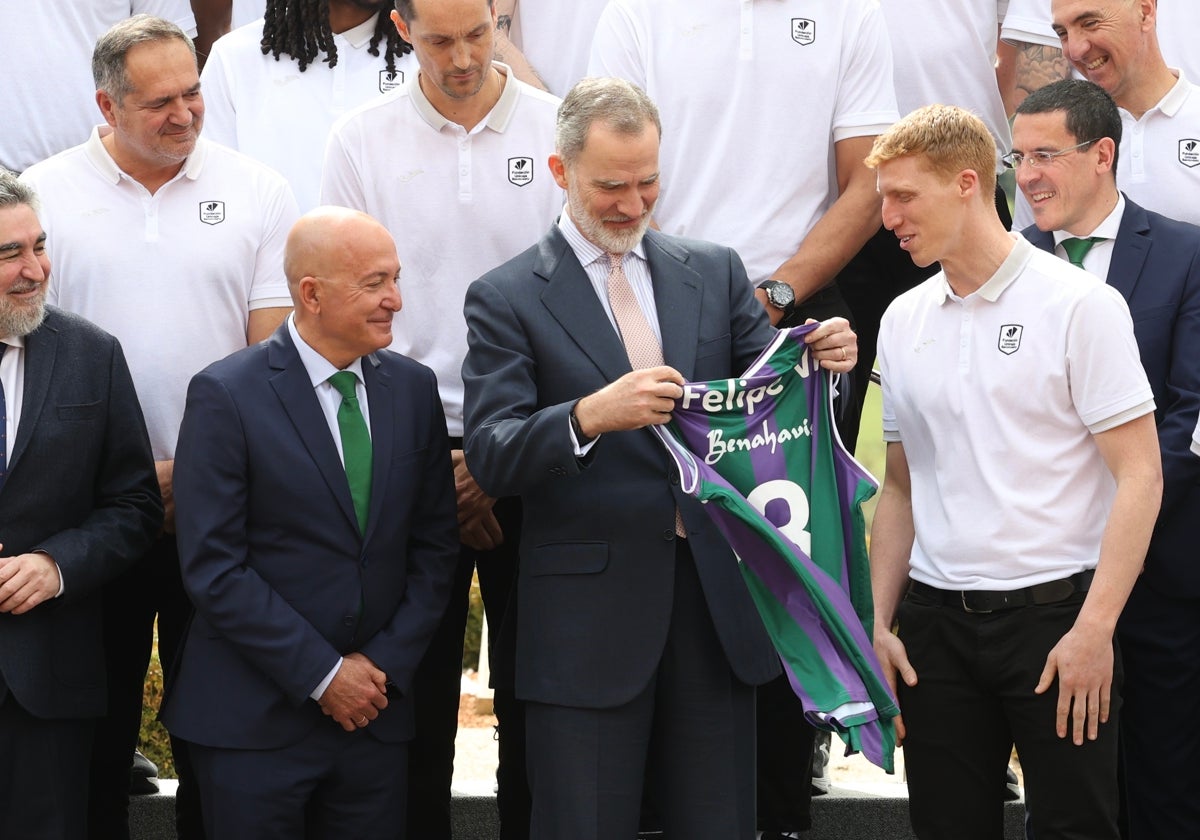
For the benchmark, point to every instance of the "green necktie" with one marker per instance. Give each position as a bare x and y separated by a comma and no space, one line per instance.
356,445
1077,248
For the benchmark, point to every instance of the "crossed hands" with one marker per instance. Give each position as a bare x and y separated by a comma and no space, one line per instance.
357,693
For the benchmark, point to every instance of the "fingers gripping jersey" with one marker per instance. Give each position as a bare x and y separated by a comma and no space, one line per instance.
762,453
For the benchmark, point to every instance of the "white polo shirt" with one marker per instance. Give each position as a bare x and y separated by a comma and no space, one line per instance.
458,204
46,62
952,63
173,275
1159,163
271,111
555,37
1196,438
753,95
996,397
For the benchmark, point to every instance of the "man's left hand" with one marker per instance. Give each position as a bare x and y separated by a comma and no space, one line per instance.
1083,662
472,501
26,581
833,344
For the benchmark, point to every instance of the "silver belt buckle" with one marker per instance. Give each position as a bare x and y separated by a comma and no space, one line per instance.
962,596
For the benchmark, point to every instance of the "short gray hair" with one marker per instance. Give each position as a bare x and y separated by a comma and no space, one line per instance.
14,192
108,58
623,107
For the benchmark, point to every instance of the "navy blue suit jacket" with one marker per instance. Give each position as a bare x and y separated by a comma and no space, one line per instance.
271,553
81,487
1156,268
597,549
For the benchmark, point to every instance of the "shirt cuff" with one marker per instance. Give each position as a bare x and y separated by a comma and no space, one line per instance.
319,691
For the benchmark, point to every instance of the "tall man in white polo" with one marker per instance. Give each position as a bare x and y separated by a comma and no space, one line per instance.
1023,480
453,165
174,245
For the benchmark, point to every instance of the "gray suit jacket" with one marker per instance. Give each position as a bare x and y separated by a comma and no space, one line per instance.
597,550
81,487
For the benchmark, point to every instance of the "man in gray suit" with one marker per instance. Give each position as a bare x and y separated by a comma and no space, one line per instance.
637,643
79,503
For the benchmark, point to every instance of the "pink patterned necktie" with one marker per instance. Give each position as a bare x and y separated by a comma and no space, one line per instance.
641,345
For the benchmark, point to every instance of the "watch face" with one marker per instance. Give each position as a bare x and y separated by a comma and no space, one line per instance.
780,295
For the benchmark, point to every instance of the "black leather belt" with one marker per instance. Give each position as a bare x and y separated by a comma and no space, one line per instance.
986,601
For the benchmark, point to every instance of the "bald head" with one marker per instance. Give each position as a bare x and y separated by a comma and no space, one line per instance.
323,238
342,271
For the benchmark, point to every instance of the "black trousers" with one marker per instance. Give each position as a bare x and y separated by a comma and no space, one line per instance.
1160,730
43,774
973,701
131,602
436,688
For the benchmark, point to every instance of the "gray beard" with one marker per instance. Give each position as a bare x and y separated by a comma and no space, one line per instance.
21,321
595,232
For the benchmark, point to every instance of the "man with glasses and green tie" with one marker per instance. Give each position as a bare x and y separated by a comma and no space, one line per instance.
1154,262
318,536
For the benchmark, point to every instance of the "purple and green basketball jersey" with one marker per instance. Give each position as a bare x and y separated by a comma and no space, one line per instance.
762,453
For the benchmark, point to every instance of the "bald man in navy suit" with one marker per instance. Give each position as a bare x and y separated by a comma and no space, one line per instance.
318,536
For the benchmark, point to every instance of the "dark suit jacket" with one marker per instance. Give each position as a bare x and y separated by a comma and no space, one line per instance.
81,487
1156,268
271,554
597,549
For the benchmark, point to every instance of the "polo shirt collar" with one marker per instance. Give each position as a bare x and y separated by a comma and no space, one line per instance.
102,160
1107,229
1176,96
358,36
497,119
1008,271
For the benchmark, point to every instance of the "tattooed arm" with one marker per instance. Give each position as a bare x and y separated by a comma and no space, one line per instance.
507,52
1023,68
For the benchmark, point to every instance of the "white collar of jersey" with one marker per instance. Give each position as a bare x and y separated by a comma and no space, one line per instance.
358,36
1008,271
102,160
497,119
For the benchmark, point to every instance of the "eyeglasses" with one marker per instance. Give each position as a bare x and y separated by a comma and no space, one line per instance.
1013,160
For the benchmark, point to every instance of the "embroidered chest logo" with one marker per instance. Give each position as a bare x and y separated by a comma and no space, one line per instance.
1010,338
212,212
390,81
1189,152
804,31
520,170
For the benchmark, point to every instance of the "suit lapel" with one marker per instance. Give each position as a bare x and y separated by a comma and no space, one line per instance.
1040,239
382,410
295,391
677,293
41,349
570,298
1130,250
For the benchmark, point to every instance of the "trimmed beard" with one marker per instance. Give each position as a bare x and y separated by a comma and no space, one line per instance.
593,229
19,321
